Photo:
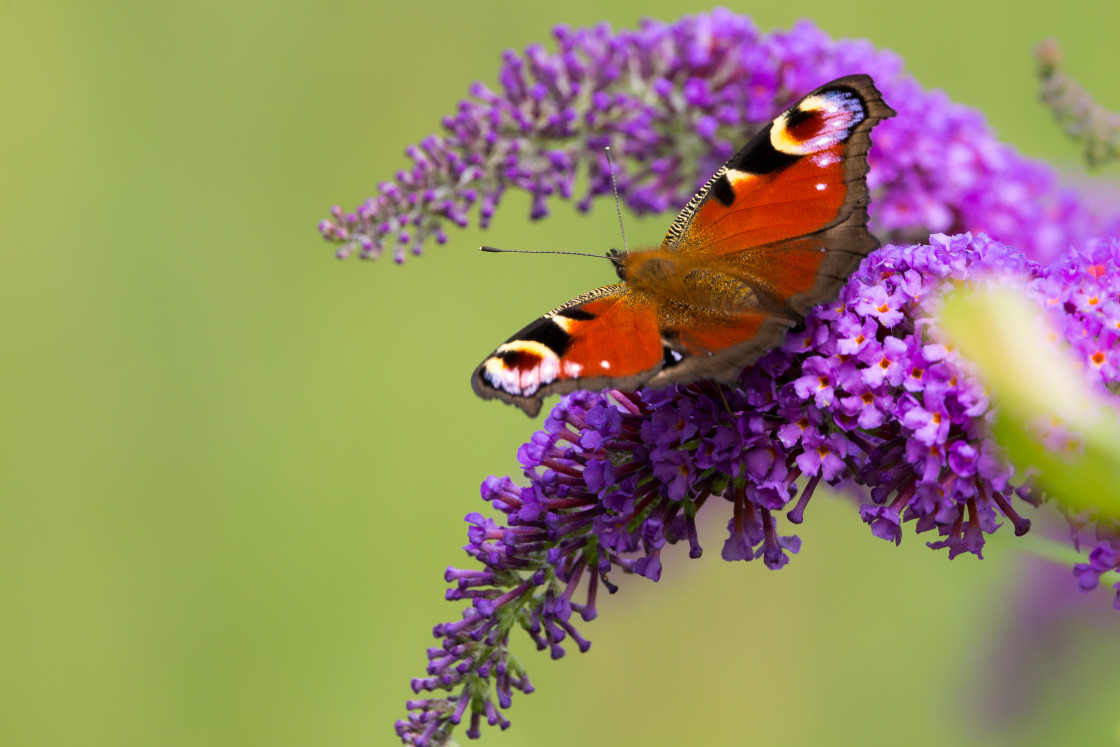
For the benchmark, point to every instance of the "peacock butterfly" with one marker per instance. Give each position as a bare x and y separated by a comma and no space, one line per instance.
775,232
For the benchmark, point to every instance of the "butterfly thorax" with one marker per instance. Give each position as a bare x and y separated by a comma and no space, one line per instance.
669,276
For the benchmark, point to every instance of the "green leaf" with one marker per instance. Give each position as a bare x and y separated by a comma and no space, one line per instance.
1032,383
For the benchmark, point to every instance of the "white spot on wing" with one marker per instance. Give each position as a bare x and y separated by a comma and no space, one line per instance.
737,177
821,187
572,369
563,322
605,365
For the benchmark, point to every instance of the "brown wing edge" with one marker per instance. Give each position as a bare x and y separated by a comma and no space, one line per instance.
850,228
532,404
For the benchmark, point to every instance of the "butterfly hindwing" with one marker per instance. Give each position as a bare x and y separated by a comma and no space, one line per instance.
714,345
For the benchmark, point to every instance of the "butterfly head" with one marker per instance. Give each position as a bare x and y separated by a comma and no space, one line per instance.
618,259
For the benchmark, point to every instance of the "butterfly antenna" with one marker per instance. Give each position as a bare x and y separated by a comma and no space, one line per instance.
617,205
537,251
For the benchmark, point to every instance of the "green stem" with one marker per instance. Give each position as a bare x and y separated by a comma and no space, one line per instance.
1057,552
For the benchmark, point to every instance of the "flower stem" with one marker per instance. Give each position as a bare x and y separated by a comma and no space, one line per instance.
1051,550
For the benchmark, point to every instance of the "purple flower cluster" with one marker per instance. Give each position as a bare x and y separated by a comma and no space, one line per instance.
1082,293
673,101
864,393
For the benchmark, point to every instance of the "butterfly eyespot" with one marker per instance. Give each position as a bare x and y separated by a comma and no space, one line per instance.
818,122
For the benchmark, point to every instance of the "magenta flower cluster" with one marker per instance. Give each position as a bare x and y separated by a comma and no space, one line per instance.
673,101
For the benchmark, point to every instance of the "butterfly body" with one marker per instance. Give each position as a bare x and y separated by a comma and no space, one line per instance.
775,232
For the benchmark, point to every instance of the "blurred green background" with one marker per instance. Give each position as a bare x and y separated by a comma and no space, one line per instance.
232,469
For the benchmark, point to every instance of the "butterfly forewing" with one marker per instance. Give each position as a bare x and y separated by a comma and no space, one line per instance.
789,210
801,174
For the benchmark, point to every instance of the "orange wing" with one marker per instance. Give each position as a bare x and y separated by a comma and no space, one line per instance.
607,338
